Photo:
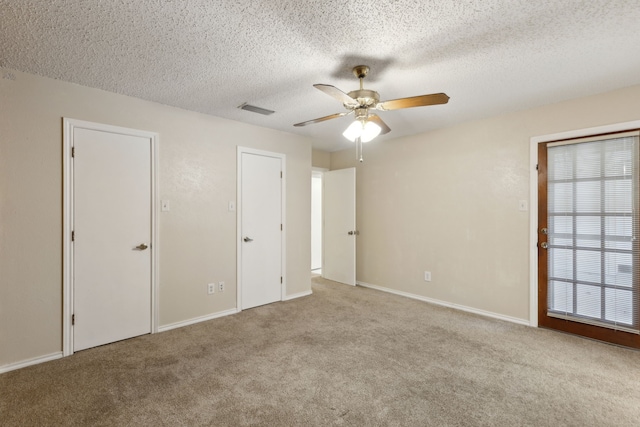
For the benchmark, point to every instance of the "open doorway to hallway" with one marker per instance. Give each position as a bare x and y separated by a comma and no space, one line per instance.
316,222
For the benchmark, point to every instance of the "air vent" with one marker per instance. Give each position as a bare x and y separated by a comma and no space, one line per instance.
255,109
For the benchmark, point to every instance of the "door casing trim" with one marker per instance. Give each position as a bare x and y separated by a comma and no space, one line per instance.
67,222
283,210
533,199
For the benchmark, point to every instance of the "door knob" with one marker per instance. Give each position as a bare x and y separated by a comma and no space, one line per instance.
248,239
141,247
544,245
350,233
353,233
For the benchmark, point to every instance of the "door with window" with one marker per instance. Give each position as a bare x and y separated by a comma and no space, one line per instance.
588,245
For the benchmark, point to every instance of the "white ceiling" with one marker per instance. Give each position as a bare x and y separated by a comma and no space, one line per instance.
489,56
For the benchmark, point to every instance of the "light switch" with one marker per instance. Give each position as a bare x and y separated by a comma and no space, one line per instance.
232,206
523,205
165,207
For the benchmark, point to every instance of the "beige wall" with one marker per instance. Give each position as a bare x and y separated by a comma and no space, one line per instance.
197,174
321,159
447,202
444,201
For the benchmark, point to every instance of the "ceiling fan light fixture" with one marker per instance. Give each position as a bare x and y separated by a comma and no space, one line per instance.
353,131
370,131
365,130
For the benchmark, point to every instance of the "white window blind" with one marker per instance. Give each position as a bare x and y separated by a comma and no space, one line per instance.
593,213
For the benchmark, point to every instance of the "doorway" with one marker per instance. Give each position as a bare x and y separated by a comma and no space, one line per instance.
261,227
110,234
316,221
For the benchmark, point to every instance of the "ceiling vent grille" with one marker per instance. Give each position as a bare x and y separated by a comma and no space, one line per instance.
255,109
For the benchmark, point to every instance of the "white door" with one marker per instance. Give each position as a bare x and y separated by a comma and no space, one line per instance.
260,229
339,202
112,237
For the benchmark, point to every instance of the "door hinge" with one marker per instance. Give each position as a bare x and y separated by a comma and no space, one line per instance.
73,319
73,236
537,167
280,227
280,174
73,151
280,279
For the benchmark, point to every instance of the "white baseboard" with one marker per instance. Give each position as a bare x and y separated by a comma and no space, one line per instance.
29,362
197,320
298,295
447,304
220,314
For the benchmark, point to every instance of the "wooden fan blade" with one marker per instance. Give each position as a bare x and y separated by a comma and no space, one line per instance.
322,119
414,101
337,94
377,120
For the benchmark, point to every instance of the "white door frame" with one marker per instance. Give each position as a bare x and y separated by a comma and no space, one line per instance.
67,248
283,183
533,199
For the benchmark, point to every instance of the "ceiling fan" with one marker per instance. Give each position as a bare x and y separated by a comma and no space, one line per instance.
368,125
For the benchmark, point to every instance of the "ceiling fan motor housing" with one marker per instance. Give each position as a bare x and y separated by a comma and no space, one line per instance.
366,98
362,113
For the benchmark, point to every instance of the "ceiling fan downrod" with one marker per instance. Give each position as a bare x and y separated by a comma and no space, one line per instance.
361,71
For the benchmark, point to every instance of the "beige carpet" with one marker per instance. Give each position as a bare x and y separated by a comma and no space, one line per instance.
343,356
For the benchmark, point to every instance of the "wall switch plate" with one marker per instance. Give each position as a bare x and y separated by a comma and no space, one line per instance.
221,286
211,288
232,206
165,206
427,276
523,205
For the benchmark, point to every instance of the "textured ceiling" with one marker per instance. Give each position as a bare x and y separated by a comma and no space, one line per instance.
489,56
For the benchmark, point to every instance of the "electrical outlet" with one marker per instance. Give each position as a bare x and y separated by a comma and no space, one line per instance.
221,286
427,276
211,288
